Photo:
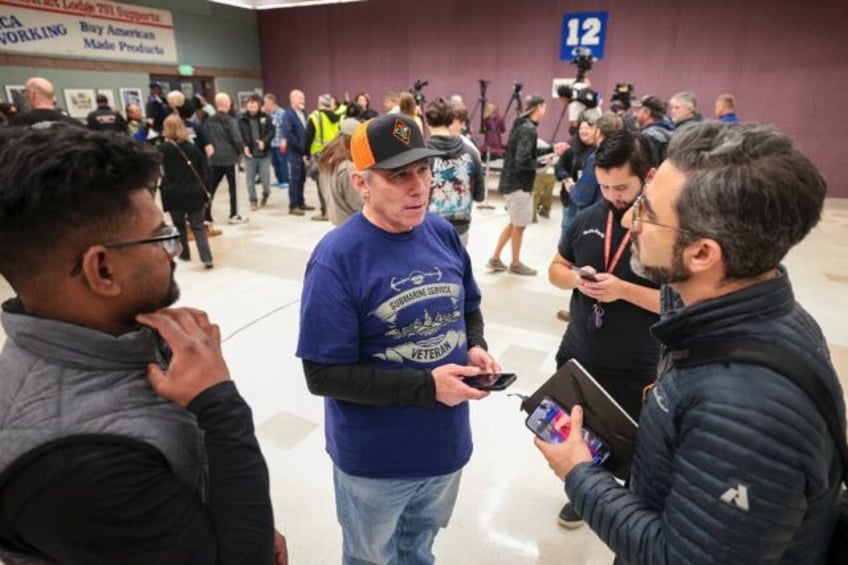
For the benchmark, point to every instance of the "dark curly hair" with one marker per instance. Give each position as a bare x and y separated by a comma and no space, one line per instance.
64,188
748,188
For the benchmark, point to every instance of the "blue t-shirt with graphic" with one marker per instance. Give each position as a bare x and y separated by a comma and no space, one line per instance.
390,300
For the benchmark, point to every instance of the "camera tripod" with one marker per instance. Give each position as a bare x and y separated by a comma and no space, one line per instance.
481,105
566,103
516,97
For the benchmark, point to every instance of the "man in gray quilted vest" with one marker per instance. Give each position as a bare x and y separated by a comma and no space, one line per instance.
123,438
734,463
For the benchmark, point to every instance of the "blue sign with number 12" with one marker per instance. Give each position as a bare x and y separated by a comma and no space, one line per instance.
586,30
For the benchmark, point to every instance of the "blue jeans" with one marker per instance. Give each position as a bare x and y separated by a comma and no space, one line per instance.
258,166
392,521
280,164
568,214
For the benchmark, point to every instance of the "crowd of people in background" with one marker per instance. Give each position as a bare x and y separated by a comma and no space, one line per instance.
265,136
672,233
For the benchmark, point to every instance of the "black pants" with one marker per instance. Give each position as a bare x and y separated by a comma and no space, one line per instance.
219,172
195,221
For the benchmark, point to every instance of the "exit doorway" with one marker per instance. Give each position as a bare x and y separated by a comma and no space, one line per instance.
188,85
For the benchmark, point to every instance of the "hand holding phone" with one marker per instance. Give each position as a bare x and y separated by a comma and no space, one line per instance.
585,274
552,424
450,389
490,381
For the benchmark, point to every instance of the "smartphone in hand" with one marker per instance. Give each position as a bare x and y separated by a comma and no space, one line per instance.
552,424
585,275
490,381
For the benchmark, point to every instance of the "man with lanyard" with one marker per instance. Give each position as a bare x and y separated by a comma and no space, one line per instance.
611,308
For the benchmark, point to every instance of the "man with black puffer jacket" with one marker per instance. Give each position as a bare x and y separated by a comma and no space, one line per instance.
733,462
457,180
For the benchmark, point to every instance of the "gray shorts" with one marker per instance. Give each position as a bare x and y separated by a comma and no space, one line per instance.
519,204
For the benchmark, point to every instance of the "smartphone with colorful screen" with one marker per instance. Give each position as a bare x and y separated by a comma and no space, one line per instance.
552,424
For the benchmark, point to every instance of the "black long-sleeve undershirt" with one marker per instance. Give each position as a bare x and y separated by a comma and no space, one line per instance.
376,386
106,499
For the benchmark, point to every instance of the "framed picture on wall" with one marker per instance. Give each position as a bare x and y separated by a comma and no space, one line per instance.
80,101
131,96
243,97
110,97
15,95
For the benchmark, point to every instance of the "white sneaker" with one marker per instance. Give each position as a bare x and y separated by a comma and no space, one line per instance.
236,220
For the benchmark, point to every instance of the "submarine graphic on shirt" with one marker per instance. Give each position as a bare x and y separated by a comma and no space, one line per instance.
429,306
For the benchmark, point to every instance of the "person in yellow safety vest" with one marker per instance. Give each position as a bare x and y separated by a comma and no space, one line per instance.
322,126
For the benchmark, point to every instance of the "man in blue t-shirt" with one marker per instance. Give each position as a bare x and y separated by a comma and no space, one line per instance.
390,322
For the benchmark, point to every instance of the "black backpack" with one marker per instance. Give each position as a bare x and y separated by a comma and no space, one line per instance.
762,353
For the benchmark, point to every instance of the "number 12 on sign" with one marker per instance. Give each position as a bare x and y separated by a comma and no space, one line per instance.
585,30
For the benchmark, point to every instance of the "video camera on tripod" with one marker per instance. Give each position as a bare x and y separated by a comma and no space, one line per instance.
417,92
583,94
583,60
623,93
578,91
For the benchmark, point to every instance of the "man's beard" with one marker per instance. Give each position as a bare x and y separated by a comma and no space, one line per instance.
619,212
164,300
172,296
676,273
173,289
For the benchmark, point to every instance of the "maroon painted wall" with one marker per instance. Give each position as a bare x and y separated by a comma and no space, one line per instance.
785,61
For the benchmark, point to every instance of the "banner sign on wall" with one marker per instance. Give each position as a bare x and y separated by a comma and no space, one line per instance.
583,30
87,29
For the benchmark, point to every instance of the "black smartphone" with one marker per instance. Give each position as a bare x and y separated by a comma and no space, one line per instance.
490,381
585,275
551,423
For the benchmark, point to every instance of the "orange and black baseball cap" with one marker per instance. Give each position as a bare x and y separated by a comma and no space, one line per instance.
388,142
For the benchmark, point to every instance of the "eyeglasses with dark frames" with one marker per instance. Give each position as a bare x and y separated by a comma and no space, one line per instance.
638,209
168,237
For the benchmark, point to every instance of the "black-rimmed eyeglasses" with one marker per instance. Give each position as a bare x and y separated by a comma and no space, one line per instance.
168,237
638,209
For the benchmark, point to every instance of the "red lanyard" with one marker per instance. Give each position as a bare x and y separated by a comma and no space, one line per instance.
610,267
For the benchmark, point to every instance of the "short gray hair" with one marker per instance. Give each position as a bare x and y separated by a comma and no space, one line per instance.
748,188
176,98
687,99
609,123
223,99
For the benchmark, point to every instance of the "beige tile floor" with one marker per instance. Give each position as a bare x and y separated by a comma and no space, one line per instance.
506,512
